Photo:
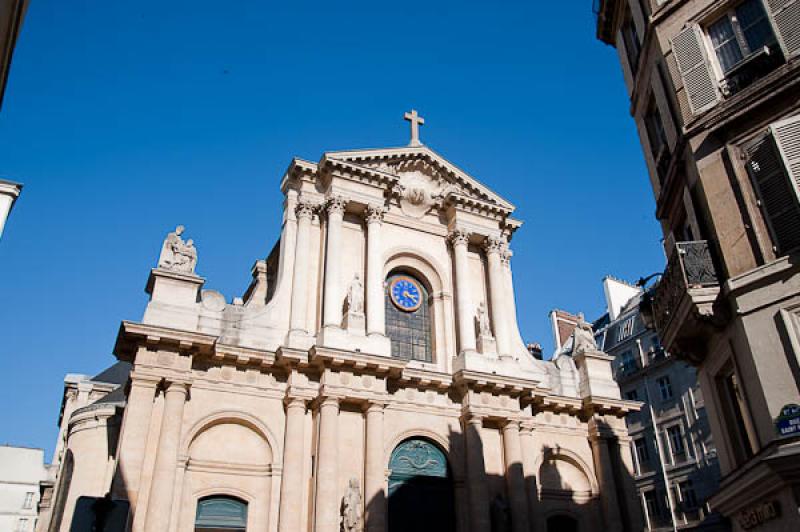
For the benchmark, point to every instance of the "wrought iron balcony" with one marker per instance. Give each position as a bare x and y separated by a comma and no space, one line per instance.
684,295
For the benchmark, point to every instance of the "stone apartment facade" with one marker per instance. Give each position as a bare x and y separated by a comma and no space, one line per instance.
671,439
22,471
715,93
372,377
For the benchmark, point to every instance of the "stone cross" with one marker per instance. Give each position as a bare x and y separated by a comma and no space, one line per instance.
416,121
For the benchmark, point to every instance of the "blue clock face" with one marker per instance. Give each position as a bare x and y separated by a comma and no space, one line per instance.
406,294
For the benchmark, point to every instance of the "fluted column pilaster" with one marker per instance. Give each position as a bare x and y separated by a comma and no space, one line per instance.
375,471
291,502
459,239
159,504
332,311
326,517
376,320
494,249
477,485
304,212
515,477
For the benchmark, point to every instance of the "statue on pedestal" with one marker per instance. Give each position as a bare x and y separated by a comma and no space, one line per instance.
355,296
351,508
484,327
177,255
583,336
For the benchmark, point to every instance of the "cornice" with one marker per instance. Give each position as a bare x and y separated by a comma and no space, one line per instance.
336,358
132,334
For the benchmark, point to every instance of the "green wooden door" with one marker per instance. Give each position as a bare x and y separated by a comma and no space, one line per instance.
420,489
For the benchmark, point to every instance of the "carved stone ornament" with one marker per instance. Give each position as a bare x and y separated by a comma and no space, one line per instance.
374,214
459,236
177,255
335,205
419,188
351,508
304,209
494,244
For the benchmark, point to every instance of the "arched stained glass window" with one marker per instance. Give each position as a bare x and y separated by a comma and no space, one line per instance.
408,318
221,512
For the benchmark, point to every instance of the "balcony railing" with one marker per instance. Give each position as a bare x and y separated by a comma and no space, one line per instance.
689,267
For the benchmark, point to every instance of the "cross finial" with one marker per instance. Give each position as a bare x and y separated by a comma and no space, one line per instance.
416,121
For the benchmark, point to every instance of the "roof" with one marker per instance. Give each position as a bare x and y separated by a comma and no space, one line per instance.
115,374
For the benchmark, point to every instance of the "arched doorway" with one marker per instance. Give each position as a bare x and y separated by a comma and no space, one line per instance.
220,514
562,523
420,489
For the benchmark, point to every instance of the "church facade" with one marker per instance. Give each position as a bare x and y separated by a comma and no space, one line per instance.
372,377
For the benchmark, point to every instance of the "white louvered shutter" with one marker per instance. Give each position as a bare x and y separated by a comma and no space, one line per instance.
774,166
785,15
698,79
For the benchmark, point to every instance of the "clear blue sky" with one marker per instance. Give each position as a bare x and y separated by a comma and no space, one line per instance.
124,119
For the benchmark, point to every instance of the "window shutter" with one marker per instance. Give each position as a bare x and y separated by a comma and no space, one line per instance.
774,166
785,15
698,79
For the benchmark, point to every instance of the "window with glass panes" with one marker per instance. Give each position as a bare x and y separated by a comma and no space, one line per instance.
409,332
676,441
664,388
740,33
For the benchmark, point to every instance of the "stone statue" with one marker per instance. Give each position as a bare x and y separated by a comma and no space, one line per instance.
355,296
177,255
351,508
500,514
583,336
484,328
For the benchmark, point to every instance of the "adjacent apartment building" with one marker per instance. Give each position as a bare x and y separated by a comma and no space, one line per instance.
22,470
715,93
675,460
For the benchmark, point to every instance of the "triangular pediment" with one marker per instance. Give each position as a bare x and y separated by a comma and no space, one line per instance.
422,167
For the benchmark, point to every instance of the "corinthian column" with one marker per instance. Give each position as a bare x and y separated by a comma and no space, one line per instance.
327,503
515,477
375,311
375,471
159,504
466,324
292,478
304,211
497,287
332,314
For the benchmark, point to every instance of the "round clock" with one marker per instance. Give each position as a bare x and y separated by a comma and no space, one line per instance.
406,293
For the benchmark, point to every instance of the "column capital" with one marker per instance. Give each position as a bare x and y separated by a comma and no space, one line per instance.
526,427
144,380
471,417
511,424
375,406
177,385
305,209
494,244
505,255
335,204
328,400
373,214
459,236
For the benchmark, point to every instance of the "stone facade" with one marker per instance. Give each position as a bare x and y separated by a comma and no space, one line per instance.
714,92
371,377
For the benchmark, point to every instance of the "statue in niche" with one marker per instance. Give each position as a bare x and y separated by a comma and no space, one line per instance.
177,255
355,296
500,514
484,327
351,508
583,336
